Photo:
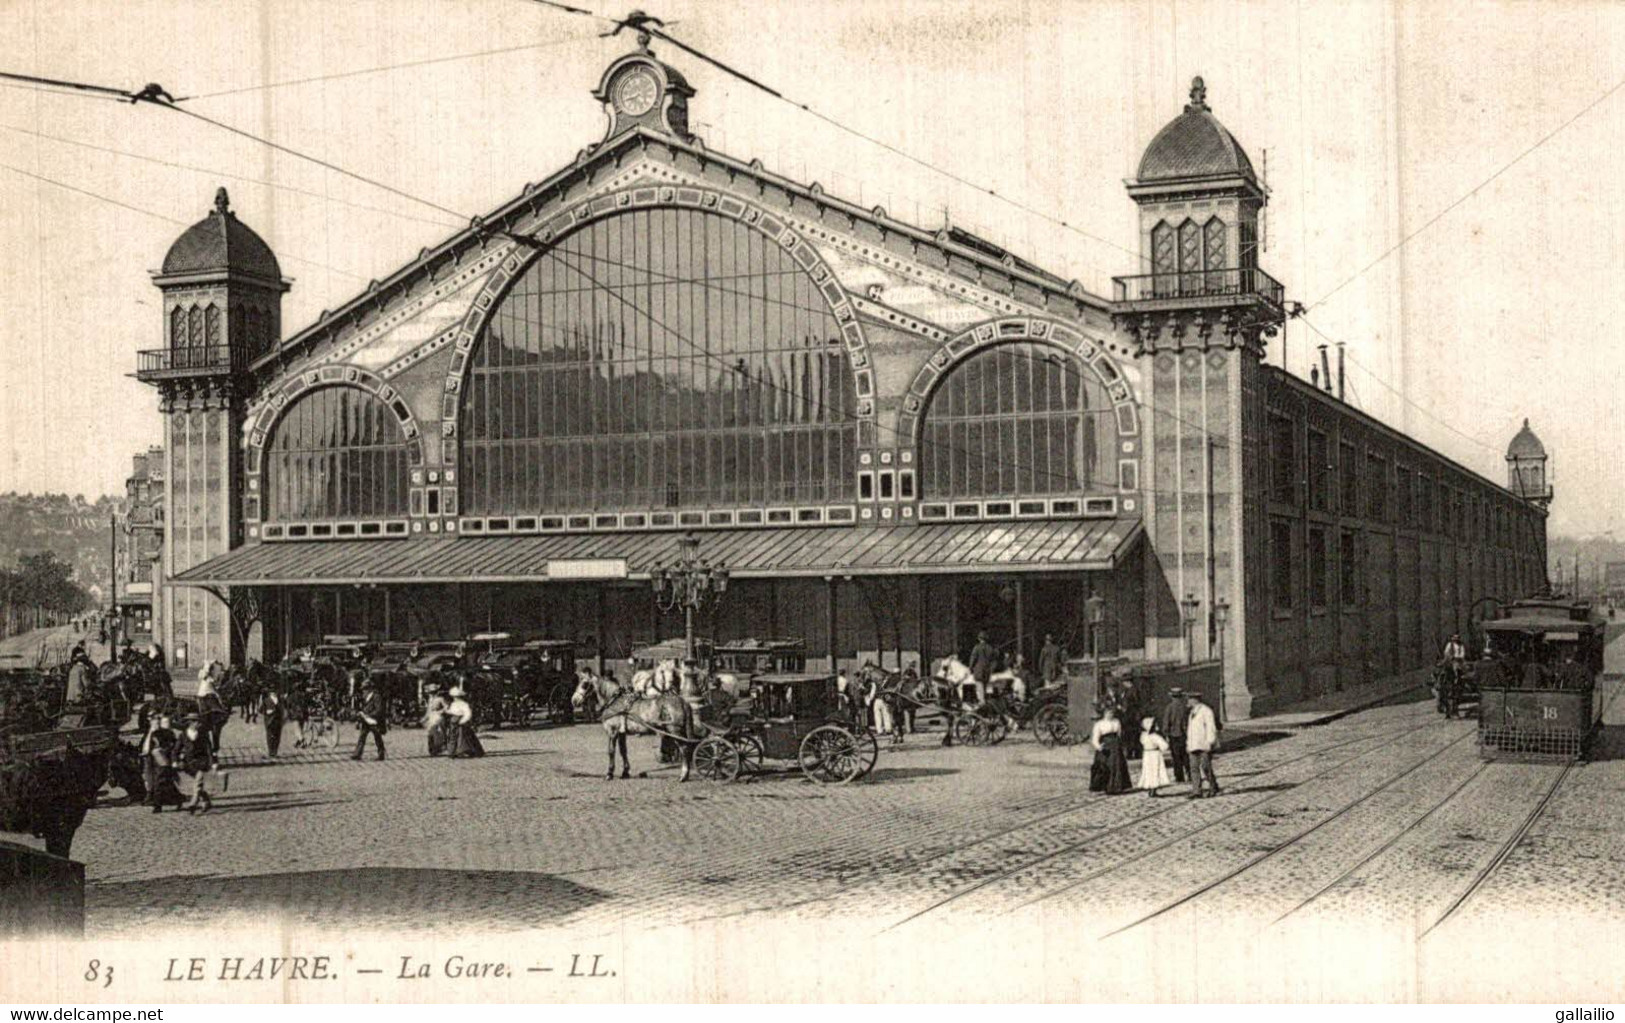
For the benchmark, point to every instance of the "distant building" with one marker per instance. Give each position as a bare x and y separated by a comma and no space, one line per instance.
893,436
140,544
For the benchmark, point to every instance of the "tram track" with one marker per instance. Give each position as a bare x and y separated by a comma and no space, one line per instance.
1506,848
1030,864
1336,816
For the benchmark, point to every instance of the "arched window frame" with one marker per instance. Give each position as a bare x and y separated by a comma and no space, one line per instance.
570,219
1093,355
269,416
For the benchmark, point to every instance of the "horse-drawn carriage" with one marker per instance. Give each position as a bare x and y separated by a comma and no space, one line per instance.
745,659
390,670
1537,682
52,763
535,677
792,717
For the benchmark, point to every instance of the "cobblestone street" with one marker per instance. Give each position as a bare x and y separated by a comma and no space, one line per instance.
1382,827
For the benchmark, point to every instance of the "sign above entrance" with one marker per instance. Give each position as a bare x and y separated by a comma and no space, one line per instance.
587,568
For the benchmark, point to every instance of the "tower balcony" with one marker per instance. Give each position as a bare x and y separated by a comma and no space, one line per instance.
1247,291
202,361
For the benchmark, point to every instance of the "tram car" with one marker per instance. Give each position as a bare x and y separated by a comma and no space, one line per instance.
1537,682
745,659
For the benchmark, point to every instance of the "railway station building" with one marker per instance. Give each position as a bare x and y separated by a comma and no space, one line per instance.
891,437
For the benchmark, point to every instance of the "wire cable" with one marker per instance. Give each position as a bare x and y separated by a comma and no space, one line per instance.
383,67
150,213
1472,192
225,174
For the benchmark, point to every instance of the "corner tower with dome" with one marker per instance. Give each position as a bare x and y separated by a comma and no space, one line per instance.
222,310
1526,467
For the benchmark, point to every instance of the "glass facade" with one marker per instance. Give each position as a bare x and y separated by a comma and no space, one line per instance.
659,358
336,453
1016,420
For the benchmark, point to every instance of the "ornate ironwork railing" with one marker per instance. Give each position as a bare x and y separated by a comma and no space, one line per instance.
1236,282
216,358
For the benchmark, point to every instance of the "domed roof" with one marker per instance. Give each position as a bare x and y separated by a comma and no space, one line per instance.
1194,145
221,242
1526,444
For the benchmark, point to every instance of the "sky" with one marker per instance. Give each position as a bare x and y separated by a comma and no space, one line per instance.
1444,188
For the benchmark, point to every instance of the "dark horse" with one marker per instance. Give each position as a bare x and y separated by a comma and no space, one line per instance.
626,713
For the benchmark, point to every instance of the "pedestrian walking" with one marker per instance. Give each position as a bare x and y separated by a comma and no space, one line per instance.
195,756
1109,774
1201,739
373,719
271,712
434,719
1153,768
1172,725
460,717
158,764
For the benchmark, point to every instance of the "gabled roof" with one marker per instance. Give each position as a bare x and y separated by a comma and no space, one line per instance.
1002,267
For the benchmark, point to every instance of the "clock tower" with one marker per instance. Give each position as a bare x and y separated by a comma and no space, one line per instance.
638,90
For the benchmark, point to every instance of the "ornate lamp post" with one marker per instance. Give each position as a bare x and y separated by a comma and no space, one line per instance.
1188,608
1221,615
1094,610
688,583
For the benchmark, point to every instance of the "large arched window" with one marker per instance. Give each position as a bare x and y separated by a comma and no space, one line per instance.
336,453
1018,420
659,358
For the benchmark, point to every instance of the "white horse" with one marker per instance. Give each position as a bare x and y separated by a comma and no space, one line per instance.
957,674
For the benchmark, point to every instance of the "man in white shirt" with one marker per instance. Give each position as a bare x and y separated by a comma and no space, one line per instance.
1201,739
1455,661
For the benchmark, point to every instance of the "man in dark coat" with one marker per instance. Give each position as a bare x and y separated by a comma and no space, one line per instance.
1051,661
271,712
983,663
1173,724
373,721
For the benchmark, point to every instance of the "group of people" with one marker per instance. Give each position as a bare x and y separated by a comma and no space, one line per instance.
167,754
1185,732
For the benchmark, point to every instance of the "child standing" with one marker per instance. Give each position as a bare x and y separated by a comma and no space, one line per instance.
1153,769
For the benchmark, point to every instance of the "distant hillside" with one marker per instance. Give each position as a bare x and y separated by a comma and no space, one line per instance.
72,528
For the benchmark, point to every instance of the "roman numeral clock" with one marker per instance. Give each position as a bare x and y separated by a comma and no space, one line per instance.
638,90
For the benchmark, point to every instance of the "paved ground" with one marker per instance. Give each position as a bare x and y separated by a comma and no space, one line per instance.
1369,857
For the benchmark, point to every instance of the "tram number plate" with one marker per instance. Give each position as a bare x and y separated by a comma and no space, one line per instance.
1548,713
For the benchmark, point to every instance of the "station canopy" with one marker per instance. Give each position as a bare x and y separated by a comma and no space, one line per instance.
937,548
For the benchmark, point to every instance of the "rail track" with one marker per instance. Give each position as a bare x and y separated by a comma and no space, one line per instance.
1002,875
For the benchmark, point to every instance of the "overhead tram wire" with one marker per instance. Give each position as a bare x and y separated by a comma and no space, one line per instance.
384,67
1471,192
159,216
230,176
641,22
1304,319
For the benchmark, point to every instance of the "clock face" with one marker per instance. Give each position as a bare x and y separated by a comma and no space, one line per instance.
636,93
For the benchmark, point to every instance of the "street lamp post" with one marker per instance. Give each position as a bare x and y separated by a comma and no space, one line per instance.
1189,606
1095,613
1221,614
689,583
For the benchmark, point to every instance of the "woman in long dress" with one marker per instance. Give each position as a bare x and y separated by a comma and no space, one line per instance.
434,720
460,722
1153,768
1110,771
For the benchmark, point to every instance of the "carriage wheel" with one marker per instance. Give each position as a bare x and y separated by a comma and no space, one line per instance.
998,730
716,759
830,756
868,751
751,753
1050,726
964,729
